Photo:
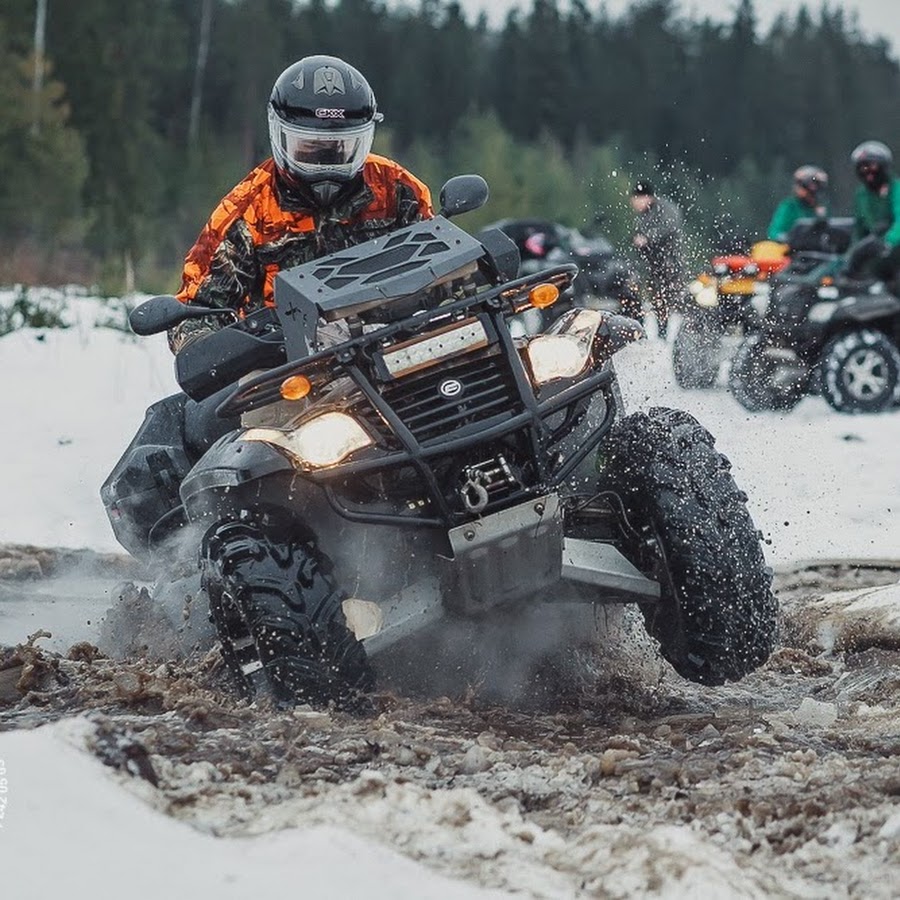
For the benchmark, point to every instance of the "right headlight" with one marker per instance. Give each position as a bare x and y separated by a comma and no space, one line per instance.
553,356
319,442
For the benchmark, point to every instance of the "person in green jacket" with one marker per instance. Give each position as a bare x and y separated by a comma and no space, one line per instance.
876,211
806,202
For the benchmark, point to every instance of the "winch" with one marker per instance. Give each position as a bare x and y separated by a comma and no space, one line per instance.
483,481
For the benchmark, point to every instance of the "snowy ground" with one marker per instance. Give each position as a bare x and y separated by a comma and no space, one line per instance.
821,485
782,786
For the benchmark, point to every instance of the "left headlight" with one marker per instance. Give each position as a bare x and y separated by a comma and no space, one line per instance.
705,292
553,356
323,441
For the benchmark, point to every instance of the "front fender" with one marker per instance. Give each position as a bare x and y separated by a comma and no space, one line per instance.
617,332
866,308
233,473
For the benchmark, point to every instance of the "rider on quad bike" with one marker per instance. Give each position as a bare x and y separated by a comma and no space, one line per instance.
833,324
877,213
320,191
728,302
372,450
806,201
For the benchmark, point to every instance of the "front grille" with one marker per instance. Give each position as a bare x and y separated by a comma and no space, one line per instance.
487,389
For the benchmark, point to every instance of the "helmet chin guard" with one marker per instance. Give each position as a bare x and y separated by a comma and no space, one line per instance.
325,192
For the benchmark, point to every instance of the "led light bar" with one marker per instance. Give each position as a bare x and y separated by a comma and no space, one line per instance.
452,340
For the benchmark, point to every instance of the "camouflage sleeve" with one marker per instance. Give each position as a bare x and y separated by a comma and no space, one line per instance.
413,199
408,206
233,276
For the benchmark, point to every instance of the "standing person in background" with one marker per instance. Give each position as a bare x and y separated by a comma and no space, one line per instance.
657,237
806,202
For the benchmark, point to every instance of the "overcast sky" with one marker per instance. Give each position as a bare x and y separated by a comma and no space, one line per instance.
876,17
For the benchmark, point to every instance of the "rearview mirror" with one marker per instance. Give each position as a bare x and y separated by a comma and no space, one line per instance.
463,193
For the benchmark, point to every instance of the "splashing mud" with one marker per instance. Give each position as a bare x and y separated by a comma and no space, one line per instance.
598,772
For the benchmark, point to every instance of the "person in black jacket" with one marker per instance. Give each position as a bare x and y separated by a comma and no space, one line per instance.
657,238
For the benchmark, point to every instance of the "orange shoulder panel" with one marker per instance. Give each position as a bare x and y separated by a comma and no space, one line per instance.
240,201
381,175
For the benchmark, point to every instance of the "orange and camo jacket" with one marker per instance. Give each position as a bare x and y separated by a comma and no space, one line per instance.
254,233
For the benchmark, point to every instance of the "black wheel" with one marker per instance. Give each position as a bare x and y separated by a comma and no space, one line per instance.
696,352
860,372
765,377
689,526
280,620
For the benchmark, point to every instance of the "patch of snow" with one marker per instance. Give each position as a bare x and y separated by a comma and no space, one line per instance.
59,797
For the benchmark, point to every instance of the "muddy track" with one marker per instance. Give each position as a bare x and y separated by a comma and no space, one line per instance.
616,779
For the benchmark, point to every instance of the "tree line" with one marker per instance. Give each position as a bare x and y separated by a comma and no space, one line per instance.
122,124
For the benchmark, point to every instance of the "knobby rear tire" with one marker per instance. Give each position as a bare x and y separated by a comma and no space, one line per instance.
837,380
696,352
751,379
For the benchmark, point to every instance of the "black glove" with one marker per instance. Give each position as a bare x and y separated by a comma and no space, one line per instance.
862,254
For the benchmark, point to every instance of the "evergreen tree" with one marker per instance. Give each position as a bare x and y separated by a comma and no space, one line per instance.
43,171
157,107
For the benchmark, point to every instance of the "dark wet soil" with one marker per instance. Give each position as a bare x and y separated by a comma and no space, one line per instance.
793,775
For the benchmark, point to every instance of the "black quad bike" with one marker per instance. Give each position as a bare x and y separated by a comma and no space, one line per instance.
728,304
376,454
823,333
605,279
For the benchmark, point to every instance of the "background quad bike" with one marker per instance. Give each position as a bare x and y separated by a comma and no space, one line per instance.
729,299
823,333
605,279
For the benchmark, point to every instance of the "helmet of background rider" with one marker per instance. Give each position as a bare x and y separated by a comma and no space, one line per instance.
872,161
322,116
811,184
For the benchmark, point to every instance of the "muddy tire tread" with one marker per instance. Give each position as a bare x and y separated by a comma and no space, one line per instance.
720,622
281,594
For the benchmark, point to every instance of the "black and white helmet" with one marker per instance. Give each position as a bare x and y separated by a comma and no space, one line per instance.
322,116
872,161
811,179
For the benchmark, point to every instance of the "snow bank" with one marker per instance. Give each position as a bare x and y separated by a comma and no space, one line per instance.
59,797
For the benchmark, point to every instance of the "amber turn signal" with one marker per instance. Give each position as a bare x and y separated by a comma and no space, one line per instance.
296,387
543,295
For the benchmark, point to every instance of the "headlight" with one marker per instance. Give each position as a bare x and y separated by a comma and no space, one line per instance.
553,356
822,312
721,269
704,292
319,442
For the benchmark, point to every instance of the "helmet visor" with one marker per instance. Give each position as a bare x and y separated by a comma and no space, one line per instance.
312,154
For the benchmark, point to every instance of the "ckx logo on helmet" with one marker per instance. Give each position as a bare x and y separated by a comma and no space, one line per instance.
325,113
